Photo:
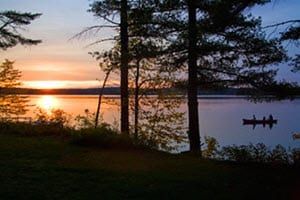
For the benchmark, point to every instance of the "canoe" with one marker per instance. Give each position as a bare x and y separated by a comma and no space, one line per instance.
257,121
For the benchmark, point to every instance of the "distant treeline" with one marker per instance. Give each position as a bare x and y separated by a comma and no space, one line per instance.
116,91
75,91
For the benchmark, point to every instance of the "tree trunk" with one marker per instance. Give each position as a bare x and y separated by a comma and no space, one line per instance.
124,69
193,116
136,100
100,99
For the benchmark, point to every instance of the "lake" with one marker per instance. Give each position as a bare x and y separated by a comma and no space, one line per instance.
219,117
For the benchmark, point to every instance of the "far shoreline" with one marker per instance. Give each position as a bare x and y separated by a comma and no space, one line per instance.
227,93
117,96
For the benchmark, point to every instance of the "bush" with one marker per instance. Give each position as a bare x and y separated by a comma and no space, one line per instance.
56,118
210,149
27,129
86,121
251,153
237,153
279,155
259,152
296,157
103,137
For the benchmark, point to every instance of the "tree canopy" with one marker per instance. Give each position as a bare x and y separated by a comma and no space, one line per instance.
11,23
10,103
219,42
216,44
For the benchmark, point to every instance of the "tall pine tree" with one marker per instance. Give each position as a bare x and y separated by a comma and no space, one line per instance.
109,11
221,38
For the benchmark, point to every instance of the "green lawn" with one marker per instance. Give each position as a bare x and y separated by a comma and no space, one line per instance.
45,168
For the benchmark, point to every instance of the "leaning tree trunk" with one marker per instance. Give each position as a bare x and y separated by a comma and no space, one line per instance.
193,116
124,69
100,98
136,100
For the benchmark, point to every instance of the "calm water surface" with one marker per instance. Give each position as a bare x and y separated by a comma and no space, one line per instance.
220,118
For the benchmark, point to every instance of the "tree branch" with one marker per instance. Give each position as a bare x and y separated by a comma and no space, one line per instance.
281,23
100,41
90,29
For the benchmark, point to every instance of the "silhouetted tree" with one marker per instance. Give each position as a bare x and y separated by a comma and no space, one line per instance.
291,33
223,40
124,68
156,120
108,64
10,24
108,10
10,103
194,131
100,97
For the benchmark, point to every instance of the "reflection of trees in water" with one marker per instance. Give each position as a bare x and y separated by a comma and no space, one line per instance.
10,102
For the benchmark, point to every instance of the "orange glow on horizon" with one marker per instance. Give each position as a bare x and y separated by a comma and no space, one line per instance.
66,84
45,84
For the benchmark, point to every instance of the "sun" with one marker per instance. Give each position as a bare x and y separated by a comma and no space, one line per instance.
46,84
48,103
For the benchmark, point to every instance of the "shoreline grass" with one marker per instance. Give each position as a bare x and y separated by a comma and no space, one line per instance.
46,168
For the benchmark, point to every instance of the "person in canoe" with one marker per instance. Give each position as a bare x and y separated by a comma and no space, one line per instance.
296,136
271,118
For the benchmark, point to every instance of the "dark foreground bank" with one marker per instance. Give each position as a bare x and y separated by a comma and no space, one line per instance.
45,168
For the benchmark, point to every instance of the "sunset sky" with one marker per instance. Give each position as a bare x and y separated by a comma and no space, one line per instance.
59,62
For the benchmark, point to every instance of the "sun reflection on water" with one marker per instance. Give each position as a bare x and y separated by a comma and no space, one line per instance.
48,103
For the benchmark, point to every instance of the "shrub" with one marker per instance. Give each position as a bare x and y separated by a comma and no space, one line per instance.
236,153
18,128
86,121
27,129
211,147
296,157
102,137
56,118
259,152
279,155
